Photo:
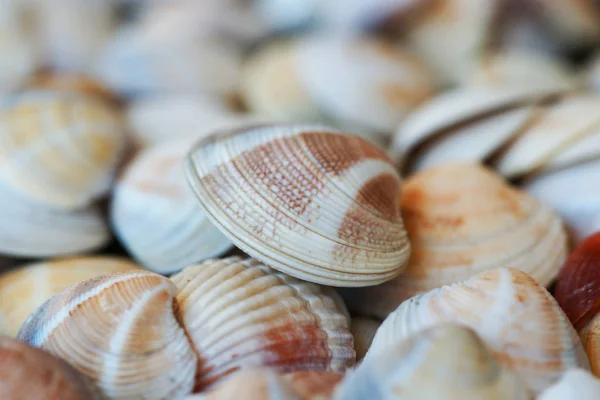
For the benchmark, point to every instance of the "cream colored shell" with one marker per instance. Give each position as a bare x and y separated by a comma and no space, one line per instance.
307,200
517,318
574,384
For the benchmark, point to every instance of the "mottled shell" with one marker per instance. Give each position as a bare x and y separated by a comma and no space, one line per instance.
574,384
156,216
363,330
314,385
27,373
59,149
306,200
241,314
463,219
28,287
444,362
520,321
122,332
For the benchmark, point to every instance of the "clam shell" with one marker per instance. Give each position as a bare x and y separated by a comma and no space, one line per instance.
32,374
520,321
307,200
443,362
24,289
363,330
463,219
583,150
59,150
574,384
156,215
121,331
241,314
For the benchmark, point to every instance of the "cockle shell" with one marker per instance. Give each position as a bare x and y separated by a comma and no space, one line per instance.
443,362
363,330
517,318
59,149
156,216
32,374
24,289
574,384
463,219
307,200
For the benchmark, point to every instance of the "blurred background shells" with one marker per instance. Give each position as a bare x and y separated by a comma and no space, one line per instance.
574,384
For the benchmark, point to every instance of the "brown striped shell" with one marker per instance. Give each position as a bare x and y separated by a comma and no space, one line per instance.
27,373
306,200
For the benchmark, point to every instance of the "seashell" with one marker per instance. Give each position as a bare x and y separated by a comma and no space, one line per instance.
517,318
443,362
314,385
72,83
122,332
363,330
72,145
29,373
463,219
307,200
574,384
24,289
156,216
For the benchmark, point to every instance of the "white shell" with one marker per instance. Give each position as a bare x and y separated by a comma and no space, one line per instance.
574,384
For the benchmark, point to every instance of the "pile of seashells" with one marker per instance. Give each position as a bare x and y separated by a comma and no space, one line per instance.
299,199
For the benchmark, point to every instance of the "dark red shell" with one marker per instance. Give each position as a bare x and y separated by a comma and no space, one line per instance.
578,283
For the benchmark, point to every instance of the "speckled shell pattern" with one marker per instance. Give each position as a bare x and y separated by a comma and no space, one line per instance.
306,200
156,216
520,321
463,219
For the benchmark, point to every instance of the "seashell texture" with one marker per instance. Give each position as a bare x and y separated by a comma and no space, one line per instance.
574,384
517,318
314,385
363,330
32,374
463,219
24,289
156,216
443,362
306,200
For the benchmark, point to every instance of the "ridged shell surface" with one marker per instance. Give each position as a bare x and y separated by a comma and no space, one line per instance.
574,384
241,314
517,318
443,362
306,200
121,331
463,219
24,289
156,216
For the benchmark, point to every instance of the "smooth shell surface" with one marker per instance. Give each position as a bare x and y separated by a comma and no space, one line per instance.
516,317
574,384
444,362
241,314
156,216
463,219
307,200
363,330
28,287
314,385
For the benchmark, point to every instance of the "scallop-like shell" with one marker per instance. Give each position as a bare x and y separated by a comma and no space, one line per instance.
241,314
306,200
443,362
32,374
574,384
463,219
59,149
517,318
363,330
122,332
24,289
156,216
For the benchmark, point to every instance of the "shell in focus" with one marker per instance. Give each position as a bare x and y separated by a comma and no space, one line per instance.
240,314
363,330
32,374
517,318
443,362
24,289
463,219
307,200
122,332
574,384
156,215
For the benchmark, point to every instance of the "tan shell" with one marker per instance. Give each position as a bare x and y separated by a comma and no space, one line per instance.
27,373
70,82
314,385
28,287
363,330
574,384
590,338
307,200
463,219
444,362
156,216
517,318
